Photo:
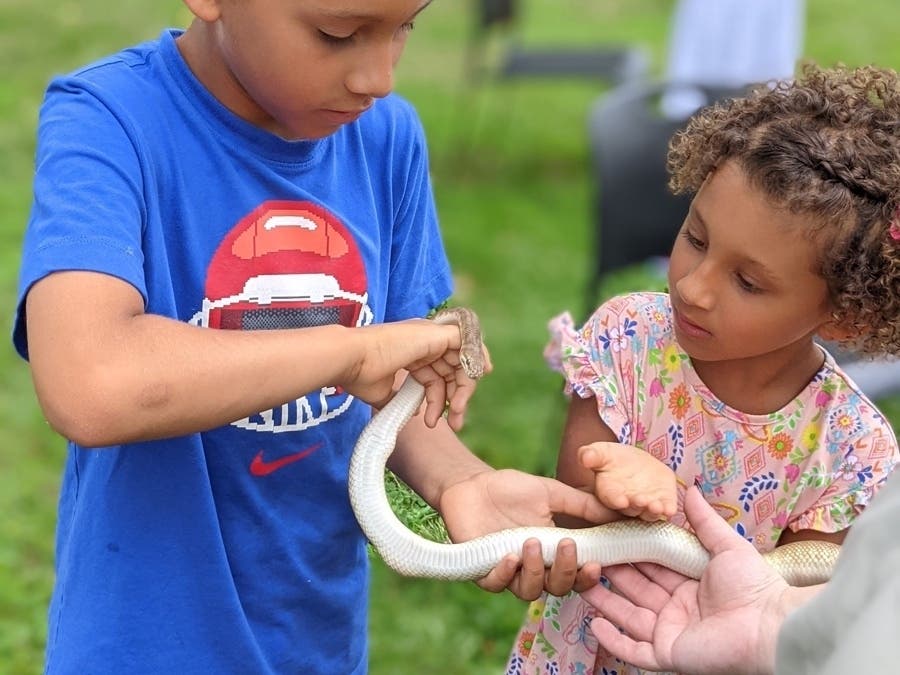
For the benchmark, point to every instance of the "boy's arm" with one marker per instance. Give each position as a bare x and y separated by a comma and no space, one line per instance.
624,478
475,499
105,372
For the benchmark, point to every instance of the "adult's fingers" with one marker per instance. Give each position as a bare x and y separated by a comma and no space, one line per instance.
662,576
637,621
649,585
711,529
621,645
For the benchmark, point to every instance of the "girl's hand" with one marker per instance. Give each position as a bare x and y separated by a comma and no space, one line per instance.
630,480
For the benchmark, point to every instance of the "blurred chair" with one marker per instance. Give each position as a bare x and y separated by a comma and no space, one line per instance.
716,50
635,215
612,64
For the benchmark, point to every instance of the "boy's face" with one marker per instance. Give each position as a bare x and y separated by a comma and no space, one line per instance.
300,68
741,275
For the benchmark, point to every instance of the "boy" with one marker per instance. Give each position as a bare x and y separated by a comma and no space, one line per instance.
249,173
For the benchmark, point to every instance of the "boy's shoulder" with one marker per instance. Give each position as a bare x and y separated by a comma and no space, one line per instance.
113,65
135,79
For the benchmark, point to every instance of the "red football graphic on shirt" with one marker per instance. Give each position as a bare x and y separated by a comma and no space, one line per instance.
287,264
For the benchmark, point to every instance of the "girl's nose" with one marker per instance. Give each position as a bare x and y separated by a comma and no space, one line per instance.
696,288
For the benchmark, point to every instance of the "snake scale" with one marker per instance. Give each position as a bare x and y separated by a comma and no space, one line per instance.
629,540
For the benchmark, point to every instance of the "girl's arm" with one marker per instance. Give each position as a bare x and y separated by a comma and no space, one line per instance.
789,536
583,426
624,478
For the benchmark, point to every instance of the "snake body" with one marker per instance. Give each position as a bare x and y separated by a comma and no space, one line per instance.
630,540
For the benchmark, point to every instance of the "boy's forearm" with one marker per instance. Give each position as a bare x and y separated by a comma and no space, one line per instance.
164,378
107,373
431,460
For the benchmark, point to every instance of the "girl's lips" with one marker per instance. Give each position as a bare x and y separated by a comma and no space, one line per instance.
688,327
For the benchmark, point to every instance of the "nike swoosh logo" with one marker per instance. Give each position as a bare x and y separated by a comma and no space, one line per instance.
260,467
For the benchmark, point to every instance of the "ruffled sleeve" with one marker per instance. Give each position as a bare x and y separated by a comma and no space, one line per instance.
603,359
569,354
852,453
834,516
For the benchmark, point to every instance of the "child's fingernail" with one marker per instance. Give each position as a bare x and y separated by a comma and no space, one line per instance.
698,483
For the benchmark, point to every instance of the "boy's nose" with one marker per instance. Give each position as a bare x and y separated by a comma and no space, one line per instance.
374,75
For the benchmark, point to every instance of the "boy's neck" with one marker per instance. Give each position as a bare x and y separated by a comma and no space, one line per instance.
198,49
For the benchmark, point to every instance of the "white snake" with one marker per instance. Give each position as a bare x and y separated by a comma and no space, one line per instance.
631,540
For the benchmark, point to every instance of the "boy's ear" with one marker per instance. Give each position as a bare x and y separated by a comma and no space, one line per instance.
205,10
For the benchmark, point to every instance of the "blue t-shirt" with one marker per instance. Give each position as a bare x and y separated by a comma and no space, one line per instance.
233,550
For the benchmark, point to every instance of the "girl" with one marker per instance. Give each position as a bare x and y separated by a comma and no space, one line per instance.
793,233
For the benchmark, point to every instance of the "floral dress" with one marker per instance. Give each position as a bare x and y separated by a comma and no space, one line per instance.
814,464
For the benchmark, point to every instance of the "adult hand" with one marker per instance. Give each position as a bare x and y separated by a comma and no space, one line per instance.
500,499
727,622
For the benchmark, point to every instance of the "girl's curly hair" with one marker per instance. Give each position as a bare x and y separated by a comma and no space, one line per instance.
826,145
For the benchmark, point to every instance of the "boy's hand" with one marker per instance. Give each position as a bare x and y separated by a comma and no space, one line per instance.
429,351
630,480
496,500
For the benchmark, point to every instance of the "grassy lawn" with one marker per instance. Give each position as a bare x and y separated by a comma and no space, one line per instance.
513,185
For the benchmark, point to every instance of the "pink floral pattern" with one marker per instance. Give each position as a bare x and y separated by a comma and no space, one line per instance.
814,464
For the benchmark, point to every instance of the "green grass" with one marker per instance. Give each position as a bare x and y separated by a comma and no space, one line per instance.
513,185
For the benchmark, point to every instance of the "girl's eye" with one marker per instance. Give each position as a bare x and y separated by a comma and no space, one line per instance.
693,241
407,27
747,285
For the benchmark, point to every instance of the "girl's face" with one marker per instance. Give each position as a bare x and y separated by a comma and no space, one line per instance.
300,68
740,275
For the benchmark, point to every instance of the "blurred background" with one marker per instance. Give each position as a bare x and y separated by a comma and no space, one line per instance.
513,111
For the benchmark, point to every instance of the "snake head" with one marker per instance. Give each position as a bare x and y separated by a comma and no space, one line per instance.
472,367
471,351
